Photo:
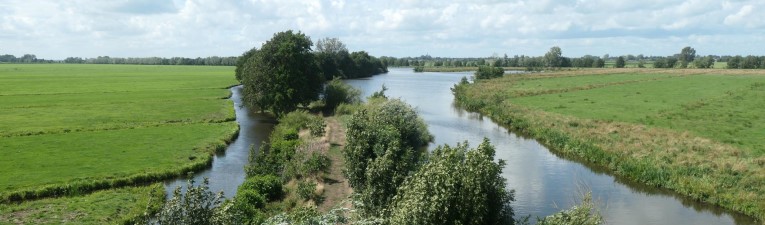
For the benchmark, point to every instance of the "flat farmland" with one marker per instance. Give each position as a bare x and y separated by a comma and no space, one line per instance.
695,131
72,128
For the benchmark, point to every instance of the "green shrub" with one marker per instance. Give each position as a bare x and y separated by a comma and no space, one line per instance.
268,185
455,186
196,206
336,92
583,214
385,140
305,189
488,72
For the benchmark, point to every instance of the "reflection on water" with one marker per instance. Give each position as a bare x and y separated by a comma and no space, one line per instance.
543,182
227,171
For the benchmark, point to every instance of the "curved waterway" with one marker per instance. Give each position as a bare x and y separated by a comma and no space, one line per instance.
544,183
227,171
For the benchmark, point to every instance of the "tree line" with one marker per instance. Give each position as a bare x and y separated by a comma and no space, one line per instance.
206,61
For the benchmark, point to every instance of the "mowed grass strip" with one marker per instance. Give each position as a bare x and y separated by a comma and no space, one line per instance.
70,129
115,206
700,135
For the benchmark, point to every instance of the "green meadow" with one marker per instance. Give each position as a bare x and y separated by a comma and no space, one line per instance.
698,132
69,129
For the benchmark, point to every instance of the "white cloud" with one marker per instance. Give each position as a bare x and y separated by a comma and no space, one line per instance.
193,28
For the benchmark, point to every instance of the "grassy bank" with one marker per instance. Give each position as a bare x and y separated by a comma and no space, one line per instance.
460,69
115,206
72,129
697,132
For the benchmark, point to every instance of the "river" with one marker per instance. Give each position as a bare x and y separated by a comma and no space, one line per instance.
227,171
544,183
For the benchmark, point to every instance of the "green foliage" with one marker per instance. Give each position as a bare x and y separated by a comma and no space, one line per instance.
553,57
196,206
336,92
268,185
582,214
335,61
687,55
379,94
241,60
310,216
419,69
488,72
384,146
306,189
282,74
704,62
620,63
455,186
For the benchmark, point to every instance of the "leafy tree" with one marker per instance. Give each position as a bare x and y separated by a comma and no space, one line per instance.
330,45
455,186
553,57
734,62
620,62
241,60
704,62
600,63
385,140
282,74
687,55
337,92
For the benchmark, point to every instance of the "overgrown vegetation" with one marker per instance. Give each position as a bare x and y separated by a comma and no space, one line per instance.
694,134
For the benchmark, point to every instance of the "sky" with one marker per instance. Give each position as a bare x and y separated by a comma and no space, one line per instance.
58,29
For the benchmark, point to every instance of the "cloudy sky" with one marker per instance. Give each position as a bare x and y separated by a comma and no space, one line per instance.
464,28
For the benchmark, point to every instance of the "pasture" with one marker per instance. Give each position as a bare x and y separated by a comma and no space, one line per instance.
696,131
99,126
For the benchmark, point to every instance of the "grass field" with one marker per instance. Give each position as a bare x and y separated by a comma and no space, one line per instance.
115,206
698,132
101,126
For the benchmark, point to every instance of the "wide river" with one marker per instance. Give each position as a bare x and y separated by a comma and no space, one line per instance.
544,183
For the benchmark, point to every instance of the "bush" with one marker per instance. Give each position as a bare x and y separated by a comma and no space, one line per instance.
455,186
385,140
268,185
336,92
488,72
196,206
305,189
583,214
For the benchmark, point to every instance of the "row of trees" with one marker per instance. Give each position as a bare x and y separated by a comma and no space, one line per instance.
206,61
285,72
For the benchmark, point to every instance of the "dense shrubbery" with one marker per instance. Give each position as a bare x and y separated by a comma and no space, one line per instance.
384,146
196,206
336,92
488,72
455,186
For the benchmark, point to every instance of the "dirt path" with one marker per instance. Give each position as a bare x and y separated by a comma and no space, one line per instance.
336,187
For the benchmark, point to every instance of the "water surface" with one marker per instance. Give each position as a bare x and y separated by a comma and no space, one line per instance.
544,183
227,171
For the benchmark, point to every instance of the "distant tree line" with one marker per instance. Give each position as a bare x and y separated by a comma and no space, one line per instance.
206,61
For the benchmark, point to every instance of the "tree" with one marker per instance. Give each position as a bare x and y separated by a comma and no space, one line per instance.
282,74
240,61
198,205
330,45
687,55
455,186
384,145
620,62
337,92
553,57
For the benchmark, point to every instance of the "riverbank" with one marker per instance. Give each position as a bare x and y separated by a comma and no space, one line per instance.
691,131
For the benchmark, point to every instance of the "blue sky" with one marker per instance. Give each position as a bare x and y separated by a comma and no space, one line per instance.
464,28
